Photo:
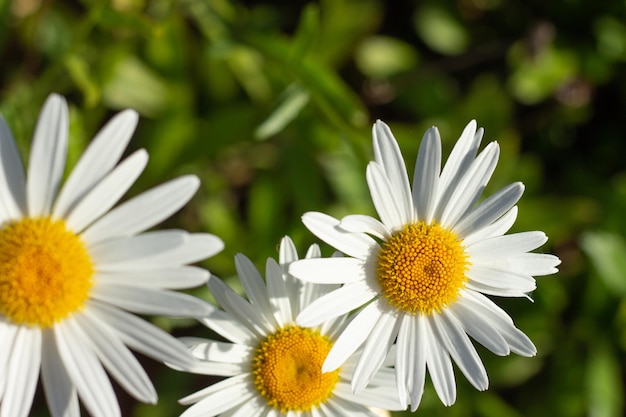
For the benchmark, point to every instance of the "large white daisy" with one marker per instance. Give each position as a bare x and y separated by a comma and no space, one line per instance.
273,365
421,273
72,268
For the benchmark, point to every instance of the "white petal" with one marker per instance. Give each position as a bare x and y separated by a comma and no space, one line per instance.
107,192
150,300
388,155
357,245
409,357
497,228
439,366
382,397
60,392
47,156
452,336
359,223
197,247
490,210
375,350
211,350
420,336
226,326
173,278
479,325
254,286
116,357
501,278
99,158
143,211
329,270
85,370
8,331
22,373
124,252
287,251
385,198
336,303
279,298
239,308
354,335
497,247
471,186
12,179
458,162
233,390
426,177
535,264
141,335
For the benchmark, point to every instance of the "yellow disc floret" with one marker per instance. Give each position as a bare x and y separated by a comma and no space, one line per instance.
287,369
45,271
421,268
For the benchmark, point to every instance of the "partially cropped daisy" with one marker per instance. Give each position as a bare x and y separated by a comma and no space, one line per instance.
72,269
273,365
421,272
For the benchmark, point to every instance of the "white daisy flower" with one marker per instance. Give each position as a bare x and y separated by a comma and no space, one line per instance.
421,273
72,268
273,365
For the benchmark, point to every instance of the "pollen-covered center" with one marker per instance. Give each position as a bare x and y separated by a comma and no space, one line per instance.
287,369
421,268
45,271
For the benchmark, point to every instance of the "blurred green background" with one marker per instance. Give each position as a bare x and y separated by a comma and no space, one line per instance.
271,105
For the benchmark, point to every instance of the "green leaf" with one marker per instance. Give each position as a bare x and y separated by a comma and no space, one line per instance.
294,99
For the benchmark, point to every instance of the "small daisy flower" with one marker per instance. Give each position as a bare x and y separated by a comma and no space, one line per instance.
72,269
420,274
274,366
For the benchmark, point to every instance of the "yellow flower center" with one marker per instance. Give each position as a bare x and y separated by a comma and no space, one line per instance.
421,268
287,369
45,272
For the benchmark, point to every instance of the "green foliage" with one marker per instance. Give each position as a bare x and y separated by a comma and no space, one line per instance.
271,105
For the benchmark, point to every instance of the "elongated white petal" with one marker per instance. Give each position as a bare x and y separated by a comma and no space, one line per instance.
471,186
358,223
278,294
85,370
197,247
535,264
497,228
439,366
426,177
116,357
336,303
127,251
416,384
171,278
254,286
211,350
388,155
407,355
22,373
353,335
144,211
233,390
458,162
500,278
375,350
452,336
384,198
142,336
12,179
505,246
357,245
384,397
150,300
99,158
329,270
225,325
490,210
60,392
106,193
47,156
287,251
239,308
480,326
7,334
